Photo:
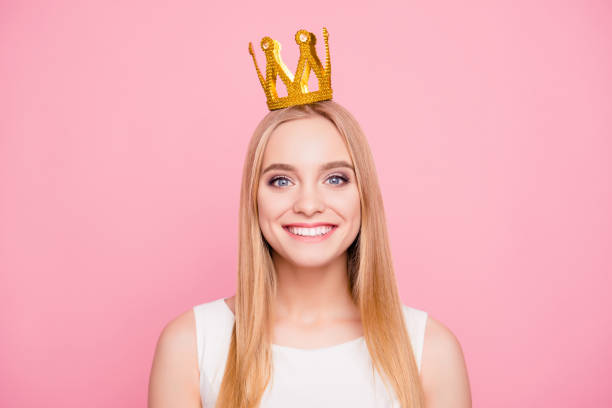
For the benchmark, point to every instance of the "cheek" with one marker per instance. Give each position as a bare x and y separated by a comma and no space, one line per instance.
271,206
356,210
348,203
262,209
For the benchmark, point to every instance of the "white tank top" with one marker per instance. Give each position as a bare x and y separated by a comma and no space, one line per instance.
334,376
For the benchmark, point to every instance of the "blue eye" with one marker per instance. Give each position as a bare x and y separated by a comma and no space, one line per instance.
339,177
273,181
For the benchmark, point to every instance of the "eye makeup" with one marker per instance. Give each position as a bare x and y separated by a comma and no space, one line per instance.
344,178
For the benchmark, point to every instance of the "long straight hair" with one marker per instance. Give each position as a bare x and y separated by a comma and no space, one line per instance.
371,277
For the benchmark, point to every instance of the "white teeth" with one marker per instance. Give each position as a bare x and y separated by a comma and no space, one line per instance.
310,232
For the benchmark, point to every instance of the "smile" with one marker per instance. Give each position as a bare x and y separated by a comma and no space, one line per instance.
315,234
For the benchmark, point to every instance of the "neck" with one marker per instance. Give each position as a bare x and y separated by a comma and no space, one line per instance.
313,294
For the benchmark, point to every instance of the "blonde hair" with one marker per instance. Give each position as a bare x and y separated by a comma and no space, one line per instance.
370,274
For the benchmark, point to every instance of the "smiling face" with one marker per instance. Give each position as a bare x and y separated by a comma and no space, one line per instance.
307,178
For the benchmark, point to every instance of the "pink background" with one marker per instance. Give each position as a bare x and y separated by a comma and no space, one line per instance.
122,136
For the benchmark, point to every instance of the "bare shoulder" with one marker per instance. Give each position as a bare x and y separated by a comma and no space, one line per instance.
443,369
174,379
230,301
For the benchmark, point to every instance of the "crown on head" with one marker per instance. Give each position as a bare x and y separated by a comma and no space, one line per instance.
297,86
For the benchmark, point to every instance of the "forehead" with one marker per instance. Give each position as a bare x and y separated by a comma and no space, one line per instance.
311,140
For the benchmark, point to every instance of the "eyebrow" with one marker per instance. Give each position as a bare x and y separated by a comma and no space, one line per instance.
326,166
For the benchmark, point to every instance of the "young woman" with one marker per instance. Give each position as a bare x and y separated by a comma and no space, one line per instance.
316,320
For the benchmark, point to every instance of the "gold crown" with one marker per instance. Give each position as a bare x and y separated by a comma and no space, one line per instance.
297,87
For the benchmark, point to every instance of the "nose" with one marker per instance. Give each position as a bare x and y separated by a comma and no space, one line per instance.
309,201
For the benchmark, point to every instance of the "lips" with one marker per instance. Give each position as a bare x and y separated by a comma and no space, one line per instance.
304,225
310,238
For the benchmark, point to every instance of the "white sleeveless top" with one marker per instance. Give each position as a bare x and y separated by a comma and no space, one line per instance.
334,376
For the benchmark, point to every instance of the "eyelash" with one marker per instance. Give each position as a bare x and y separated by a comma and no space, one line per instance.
340,176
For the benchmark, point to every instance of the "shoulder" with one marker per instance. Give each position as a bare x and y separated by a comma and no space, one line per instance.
415,323
174,378
231,303
179,333
443,371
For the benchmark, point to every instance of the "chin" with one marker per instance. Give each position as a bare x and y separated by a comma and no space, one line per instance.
309,263
311,259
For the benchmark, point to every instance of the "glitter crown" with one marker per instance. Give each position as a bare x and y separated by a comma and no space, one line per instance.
297,86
